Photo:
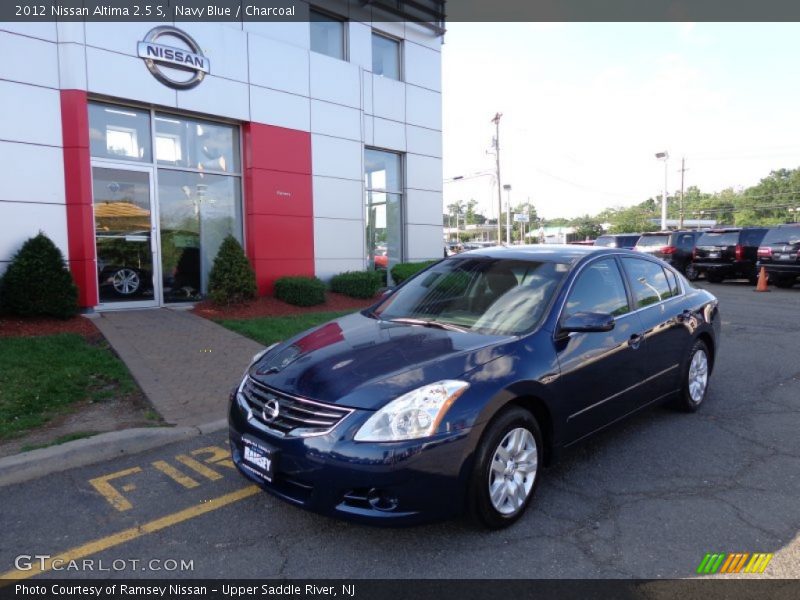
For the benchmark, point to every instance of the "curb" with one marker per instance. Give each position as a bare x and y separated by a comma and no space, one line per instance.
105,446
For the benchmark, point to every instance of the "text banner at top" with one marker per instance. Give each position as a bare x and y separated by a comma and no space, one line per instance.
437,12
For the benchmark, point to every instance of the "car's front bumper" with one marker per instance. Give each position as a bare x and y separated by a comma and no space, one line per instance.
423,480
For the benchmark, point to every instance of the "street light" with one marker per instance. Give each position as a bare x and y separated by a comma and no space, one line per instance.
507,188
665,157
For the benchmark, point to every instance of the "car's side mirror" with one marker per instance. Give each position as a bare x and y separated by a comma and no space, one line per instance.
586,322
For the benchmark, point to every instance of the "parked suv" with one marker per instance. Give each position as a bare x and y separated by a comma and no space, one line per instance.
780,254
619,240
673,247
729,253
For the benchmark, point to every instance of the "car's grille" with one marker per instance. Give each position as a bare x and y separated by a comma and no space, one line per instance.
294,416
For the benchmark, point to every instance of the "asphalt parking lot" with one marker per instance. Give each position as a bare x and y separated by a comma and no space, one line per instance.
648,499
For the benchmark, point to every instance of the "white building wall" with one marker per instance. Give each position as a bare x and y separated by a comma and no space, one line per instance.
31,156
261,72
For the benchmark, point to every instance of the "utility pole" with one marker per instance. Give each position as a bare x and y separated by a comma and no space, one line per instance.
496,121
665,157
683,171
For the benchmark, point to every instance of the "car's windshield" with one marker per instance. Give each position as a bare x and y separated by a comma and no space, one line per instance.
782,235
647,241
719,238
484,295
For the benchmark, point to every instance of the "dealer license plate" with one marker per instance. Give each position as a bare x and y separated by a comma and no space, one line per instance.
259,458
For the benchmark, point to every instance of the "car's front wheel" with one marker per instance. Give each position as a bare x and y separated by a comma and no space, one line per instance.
506,470
126,281
696,369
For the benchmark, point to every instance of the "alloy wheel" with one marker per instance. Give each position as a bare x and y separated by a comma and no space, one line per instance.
126,281
698,376
513,471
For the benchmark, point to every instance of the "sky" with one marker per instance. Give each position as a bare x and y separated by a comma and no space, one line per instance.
587,105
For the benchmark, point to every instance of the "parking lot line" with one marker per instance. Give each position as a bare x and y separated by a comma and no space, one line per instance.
132,533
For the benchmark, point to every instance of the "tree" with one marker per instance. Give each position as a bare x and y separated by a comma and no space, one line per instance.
232,279
38,283
587,228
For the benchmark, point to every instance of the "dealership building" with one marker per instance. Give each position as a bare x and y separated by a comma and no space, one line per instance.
137,147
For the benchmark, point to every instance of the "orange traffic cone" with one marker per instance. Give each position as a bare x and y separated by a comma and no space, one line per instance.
762,281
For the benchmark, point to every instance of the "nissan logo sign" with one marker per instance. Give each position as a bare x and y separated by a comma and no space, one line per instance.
271,410
164,60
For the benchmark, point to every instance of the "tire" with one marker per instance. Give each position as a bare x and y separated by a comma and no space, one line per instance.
694,377
714,277
513,426
126,282
691,272
784,282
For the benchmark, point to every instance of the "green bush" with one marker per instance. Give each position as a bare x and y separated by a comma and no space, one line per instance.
402,271
232,279
300,291
38,283
357,284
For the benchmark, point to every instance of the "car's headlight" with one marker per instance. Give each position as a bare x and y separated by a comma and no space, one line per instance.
257,356
413,415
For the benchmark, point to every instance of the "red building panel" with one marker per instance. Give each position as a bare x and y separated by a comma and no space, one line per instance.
78,192
279,211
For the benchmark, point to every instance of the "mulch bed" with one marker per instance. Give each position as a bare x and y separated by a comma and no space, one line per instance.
19,326
268,306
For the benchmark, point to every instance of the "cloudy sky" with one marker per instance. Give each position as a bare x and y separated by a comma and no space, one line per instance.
587,105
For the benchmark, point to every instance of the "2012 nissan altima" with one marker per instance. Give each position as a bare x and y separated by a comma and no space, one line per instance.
453,391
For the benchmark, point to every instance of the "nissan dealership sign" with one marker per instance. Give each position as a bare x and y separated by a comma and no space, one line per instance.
171,62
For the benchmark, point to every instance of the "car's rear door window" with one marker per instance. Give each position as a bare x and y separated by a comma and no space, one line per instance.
648,281
599,288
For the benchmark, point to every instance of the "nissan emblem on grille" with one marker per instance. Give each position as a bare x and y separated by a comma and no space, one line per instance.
271,410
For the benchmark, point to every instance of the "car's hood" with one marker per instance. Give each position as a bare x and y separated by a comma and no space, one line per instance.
362,362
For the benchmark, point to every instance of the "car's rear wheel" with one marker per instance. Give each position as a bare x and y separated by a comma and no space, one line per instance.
696,369
506,471
691,272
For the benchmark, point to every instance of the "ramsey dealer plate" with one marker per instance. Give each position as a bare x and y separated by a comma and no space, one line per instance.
259,457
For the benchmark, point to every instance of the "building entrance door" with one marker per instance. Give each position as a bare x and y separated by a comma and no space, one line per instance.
125,236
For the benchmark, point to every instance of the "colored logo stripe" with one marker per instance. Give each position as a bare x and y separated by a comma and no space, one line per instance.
722,562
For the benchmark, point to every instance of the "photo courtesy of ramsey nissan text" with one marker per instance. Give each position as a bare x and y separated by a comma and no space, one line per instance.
369,298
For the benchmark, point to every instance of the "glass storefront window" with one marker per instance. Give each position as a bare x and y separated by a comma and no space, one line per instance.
119,132
160,249
194,144
196,212
383,208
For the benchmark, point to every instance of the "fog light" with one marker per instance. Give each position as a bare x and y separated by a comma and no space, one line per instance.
380,500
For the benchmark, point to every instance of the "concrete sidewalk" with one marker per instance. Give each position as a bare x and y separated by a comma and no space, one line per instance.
185,364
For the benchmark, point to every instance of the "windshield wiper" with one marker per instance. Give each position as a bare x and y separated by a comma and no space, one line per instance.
428,323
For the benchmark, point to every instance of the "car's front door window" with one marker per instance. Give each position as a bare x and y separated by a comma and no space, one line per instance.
599,289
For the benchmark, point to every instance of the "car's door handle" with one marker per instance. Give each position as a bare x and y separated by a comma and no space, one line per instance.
635,340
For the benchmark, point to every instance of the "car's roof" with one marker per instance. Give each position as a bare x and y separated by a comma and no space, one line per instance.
620,235
544,252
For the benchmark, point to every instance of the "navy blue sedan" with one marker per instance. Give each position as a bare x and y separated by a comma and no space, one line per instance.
454,390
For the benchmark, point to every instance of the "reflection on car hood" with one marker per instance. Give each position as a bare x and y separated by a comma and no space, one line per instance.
362,362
